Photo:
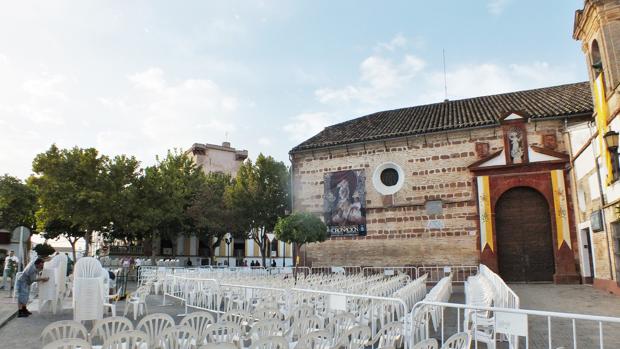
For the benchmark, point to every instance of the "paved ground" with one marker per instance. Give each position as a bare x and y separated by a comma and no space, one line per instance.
25,332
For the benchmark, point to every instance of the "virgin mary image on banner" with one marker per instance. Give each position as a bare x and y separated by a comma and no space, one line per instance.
344,204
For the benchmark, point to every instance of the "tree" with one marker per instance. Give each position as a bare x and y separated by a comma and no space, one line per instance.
18,204
259,196
70,185
163,195
210,215
43,250
301,228
121,205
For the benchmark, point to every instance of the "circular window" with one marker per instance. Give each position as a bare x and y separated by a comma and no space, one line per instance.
388,178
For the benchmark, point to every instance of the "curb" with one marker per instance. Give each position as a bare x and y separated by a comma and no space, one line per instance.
6,320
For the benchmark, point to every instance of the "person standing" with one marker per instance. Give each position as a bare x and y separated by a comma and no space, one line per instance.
11,263
24,281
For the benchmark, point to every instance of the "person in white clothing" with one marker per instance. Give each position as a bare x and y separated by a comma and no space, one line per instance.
9,270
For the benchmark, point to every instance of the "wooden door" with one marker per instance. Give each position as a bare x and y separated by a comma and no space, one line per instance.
524,237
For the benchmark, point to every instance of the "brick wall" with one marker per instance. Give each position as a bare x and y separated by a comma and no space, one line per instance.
435,168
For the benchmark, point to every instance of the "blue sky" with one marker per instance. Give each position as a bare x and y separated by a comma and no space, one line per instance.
142,77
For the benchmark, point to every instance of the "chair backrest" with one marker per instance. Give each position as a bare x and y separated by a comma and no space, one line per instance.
87,267
63,329
107,327
178,337
234,316
153,325
305,325
355,338
266,328
68,343
458,340
127,340
219,346
430,343
320,339
391,333
272,342
267,313
341,323
199,321
223,333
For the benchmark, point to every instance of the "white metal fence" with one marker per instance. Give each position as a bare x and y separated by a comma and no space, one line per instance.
537,329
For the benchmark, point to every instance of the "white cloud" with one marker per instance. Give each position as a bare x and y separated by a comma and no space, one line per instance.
306,125
473,80
496,7
398,41
163,115
265,141
380,78
48,86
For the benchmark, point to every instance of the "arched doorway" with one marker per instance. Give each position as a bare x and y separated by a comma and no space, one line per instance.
524,238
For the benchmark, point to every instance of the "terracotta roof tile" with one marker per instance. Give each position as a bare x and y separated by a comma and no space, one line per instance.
548,102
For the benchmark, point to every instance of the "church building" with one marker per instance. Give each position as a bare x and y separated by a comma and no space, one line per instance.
460,182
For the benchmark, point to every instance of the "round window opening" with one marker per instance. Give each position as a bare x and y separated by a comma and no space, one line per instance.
389,177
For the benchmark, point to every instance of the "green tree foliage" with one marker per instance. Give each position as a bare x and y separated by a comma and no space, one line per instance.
120,186
18,204
210,215
259,196
71,188
163,195
301,228
44,250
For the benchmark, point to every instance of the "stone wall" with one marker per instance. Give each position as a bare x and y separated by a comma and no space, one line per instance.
435,168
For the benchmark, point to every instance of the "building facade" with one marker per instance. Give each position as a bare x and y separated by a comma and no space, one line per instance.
480,180
594,147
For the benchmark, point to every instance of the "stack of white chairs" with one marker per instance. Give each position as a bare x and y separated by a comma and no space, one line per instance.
479,293
89,289
51,293
426,315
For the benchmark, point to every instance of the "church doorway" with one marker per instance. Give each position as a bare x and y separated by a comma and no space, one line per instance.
524,237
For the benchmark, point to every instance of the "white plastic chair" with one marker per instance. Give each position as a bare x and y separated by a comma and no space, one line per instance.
355,338
265,328
303,326
153,325
199,321
68,343
320,339
127,340
63,329
389,336
430,343
223,333
178,337
219,346
137,302
273,342
457,341
106,328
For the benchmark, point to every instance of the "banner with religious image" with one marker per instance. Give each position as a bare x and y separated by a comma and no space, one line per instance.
561,208
344,202
484,208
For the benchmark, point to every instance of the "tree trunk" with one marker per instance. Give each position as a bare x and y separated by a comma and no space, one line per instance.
153,240
87,238
72,243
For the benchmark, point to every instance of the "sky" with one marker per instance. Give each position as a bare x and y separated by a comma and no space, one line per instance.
142,77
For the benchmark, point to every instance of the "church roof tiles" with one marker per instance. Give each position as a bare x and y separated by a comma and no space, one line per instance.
549,102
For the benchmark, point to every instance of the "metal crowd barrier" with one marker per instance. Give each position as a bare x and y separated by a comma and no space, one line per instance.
588,333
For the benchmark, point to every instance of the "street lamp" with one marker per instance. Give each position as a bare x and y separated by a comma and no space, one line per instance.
228,239
611,139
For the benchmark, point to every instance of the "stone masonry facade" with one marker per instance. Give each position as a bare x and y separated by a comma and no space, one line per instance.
398,231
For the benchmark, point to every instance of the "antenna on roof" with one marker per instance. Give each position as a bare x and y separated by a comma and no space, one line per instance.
445,79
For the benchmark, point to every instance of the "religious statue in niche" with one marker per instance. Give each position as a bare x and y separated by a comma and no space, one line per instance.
515,142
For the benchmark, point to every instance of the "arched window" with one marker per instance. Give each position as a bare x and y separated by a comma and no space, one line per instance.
595,58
